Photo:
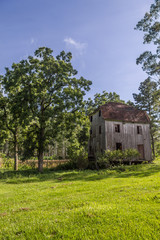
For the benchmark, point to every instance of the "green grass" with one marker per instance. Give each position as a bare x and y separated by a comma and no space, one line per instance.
120,203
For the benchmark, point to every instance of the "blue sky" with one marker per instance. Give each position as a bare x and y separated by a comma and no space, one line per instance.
99,33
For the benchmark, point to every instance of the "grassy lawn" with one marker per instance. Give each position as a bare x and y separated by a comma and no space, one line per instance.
121,203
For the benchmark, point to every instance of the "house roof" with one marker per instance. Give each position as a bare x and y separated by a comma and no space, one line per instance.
123,112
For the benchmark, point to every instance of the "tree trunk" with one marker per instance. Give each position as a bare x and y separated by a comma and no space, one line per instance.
41,150
40,161
55,149
15,152
63,149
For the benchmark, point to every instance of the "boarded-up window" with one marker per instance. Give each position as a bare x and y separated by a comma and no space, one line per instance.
139,130
117,128
99,129
118,146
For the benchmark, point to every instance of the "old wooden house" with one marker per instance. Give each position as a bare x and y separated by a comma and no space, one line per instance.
119,126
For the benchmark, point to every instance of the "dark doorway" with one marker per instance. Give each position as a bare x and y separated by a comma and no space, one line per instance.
118,146
141,151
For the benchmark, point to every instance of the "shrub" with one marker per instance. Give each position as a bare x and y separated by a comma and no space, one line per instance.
28,166
79,157
70,165
102,160
53,157
130,154
6,162
116,157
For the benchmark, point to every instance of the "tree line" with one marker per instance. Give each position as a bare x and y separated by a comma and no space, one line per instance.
42,100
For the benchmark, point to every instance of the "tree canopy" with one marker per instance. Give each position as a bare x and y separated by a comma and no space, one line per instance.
150,25
45,88
99,99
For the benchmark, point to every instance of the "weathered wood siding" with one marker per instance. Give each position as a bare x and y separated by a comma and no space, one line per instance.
128,136
97,140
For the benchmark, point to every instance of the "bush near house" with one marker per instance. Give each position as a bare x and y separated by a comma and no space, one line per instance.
108,158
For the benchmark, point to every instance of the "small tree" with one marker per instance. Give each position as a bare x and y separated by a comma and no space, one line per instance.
78,141
11,112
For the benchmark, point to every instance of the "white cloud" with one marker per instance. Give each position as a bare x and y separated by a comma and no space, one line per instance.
32,41
72,44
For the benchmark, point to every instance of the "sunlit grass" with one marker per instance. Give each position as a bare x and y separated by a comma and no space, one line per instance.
120,203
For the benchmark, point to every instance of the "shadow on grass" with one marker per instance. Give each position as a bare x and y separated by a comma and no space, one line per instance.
30,176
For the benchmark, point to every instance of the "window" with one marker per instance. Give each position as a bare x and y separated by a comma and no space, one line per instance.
90,131
117,128
139,130
99,129
91,118
99,113
118,146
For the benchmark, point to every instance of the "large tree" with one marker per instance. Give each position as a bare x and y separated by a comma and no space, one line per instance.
47,88
150,25
148,98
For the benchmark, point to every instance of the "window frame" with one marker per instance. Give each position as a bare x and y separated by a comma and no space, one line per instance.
117,128
139,130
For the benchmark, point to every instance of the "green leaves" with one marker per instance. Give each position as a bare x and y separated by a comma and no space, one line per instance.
149,63
150,25
145,100
148,98
110,158
39,91
100,99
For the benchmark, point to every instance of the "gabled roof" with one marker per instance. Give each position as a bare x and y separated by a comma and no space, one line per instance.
123,112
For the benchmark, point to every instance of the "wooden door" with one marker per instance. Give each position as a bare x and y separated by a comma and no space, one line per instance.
141,151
